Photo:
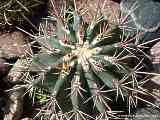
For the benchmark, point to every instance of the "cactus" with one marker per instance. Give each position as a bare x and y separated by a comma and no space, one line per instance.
86,67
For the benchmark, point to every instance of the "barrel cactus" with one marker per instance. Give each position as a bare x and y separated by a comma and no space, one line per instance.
88,67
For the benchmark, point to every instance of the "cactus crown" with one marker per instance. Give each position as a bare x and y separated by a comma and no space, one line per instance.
89,63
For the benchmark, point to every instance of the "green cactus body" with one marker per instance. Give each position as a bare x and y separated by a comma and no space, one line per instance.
89,64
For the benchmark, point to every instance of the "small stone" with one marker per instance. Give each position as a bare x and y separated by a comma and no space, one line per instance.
14,45
18,71
146,13
155,53
14,107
